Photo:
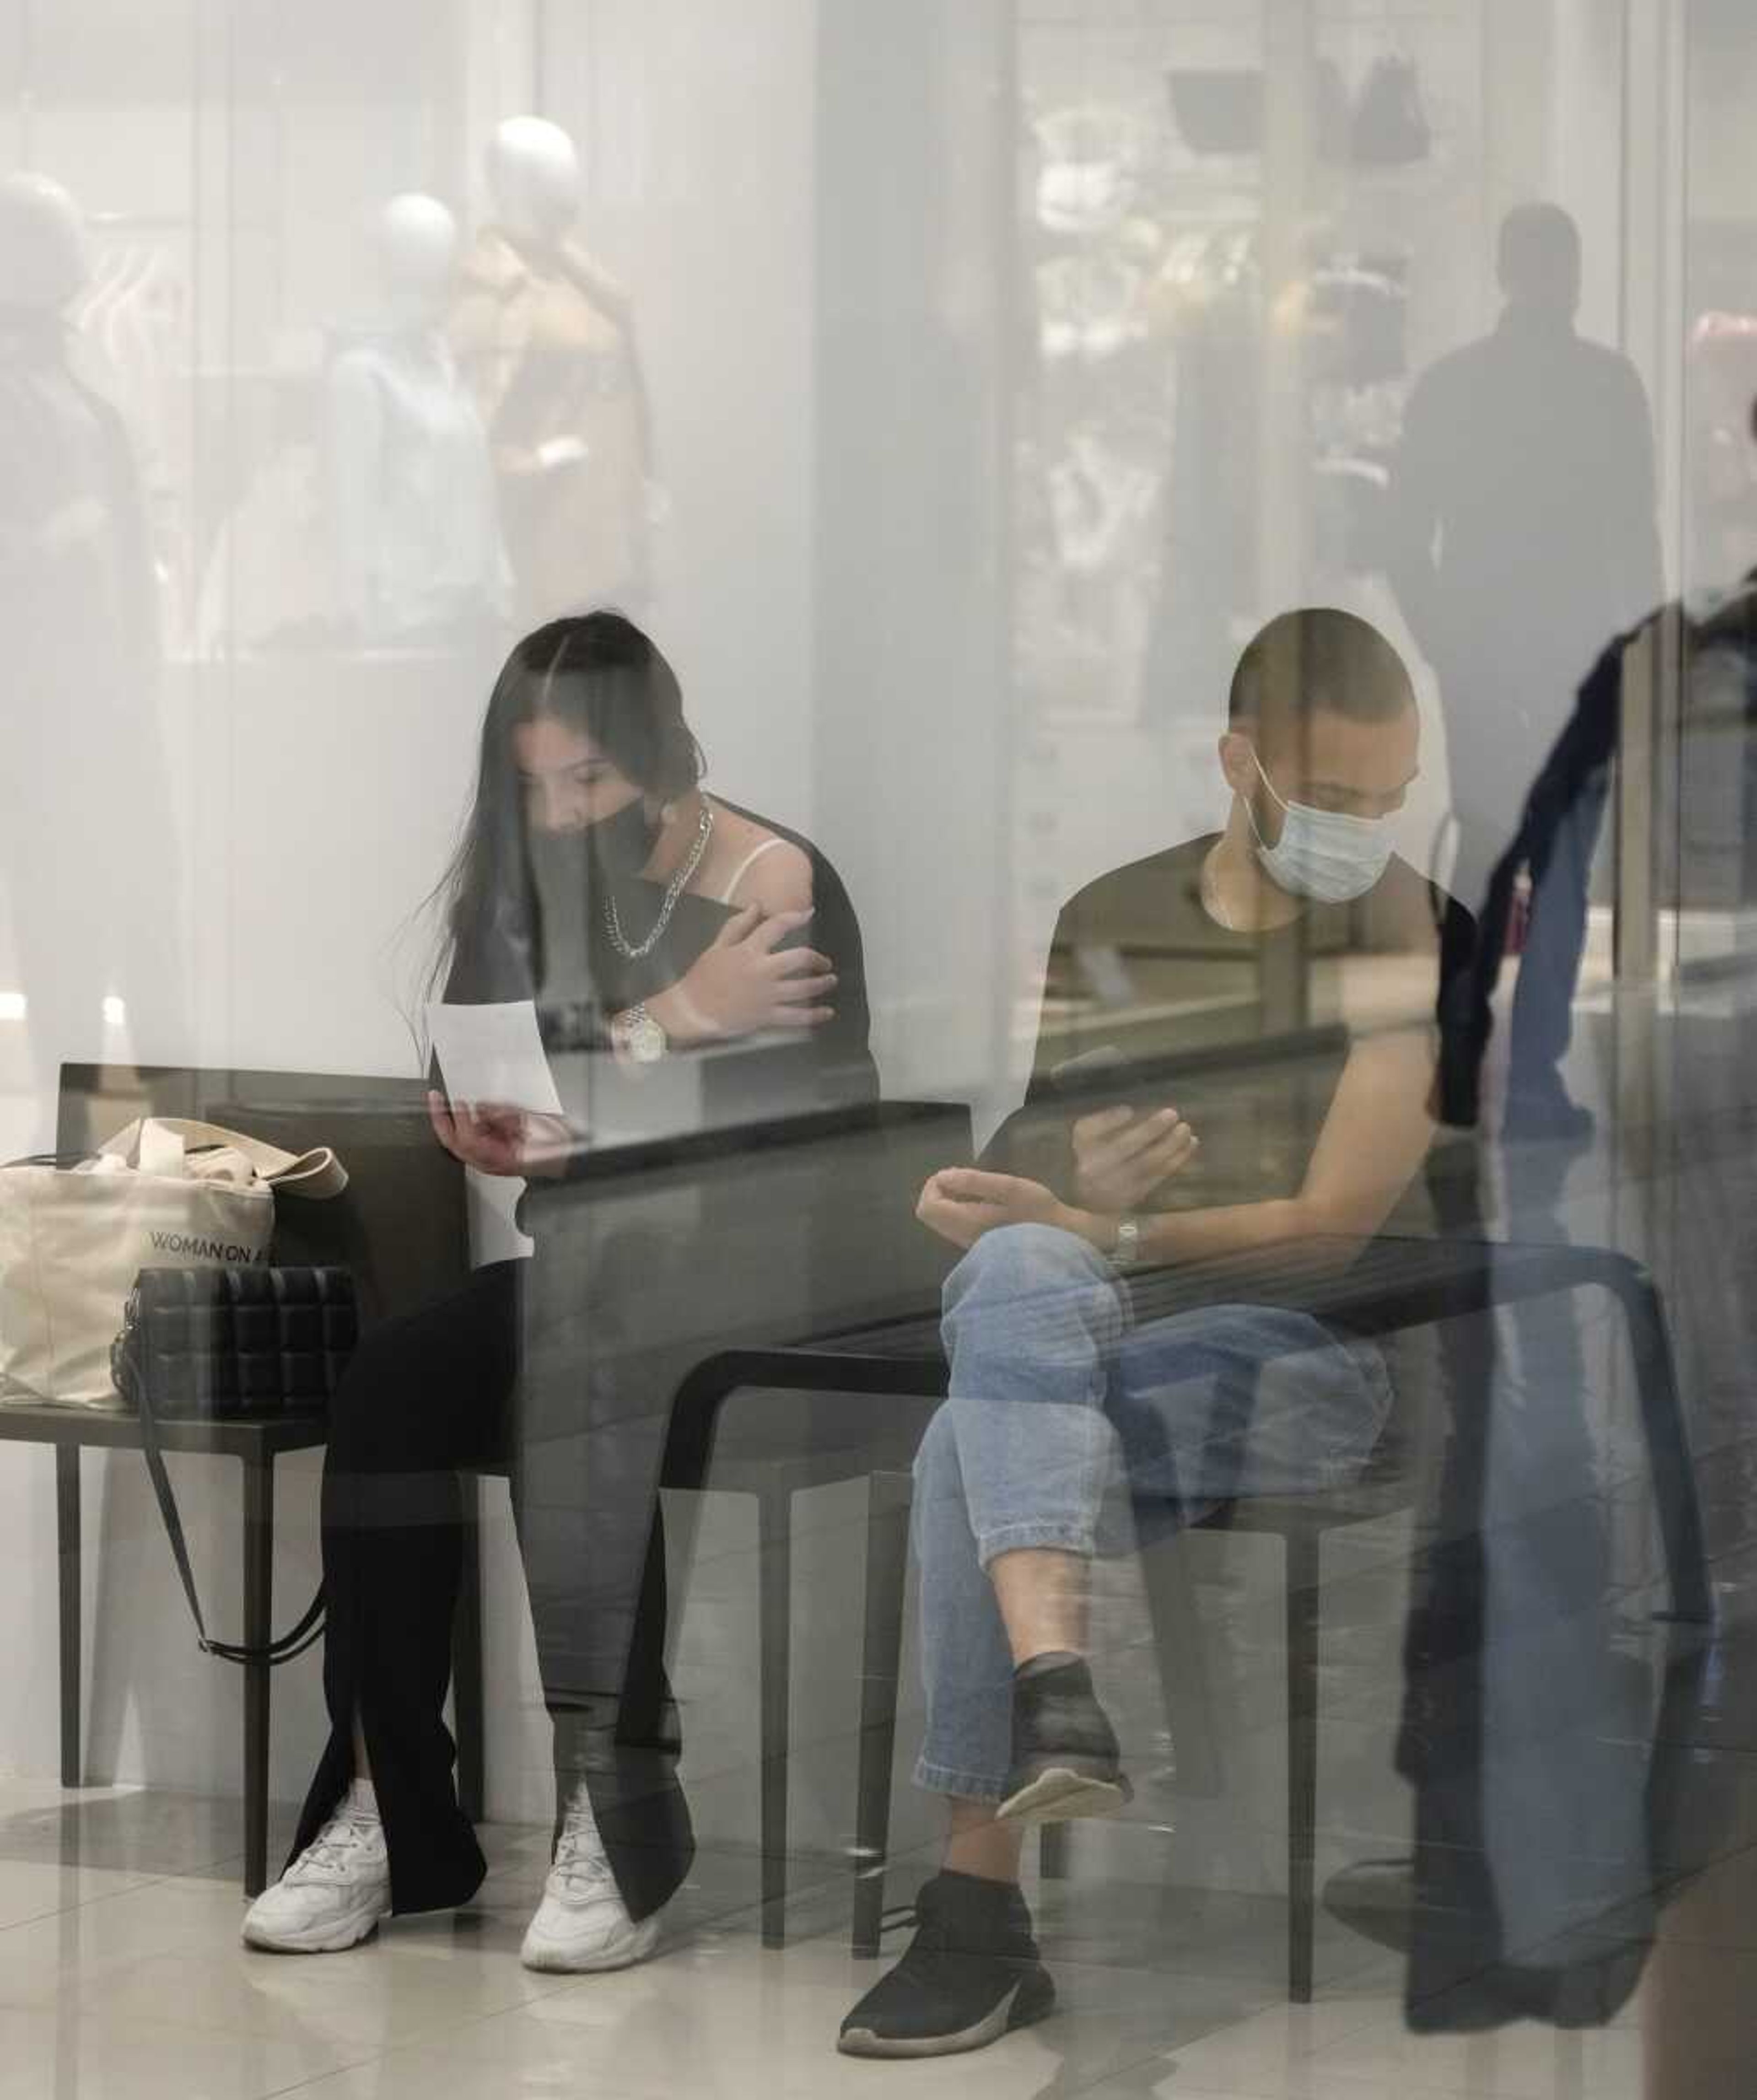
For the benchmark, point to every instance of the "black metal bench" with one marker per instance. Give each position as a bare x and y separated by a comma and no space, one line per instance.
403,1225
1382,1287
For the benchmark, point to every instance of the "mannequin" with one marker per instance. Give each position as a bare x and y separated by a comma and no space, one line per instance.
547,341
415,529
87,849
44,241
1096,413
70,515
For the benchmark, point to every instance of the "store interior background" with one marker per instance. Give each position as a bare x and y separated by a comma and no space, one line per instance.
825,217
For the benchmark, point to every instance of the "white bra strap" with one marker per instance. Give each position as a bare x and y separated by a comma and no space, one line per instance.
746,865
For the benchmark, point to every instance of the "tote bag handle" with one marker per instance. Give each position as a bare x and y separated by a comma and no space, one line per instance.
317,1175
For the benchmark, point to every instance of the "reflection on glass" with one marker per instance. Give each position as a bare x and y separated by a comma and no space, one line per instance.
1523,538
84,769
415,525
547,339
1341,1399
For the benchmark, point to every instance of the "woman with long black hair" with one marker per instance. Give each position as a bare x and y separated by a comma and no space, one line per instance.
661,933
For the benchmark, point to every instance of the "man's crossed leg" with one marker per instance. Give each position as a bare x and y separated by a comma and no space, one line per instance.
1070,1431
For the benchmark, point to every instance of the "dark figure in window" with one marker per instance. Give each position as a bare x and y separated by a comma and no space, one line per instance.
1522,535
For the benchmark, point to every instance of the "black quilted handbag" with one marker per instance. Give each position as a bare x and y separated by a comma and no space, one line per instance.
232,1345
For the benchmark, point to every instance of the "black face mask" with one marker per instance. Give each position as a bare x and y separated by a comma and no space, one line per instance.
571,872
618,844
622,843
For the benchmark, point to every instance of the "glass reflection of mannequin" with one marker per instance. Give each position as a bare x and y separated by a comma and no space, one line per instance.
547,341
1096,415
87,850
415,532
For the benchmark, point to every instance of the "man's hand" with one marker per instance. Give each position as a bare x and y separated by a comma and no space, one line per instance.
500,1141
1120,1158
961,1203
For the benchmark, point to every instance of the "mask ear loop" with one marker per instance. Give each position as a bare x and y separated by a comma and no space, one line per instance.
1256,829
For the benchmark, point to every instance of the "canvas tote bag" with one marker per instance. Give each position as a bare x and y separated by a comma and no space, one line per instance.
163,1193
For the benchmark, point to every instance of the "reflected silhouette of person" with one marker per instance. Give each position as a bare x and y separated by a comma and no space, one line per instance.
1522,534
1516,1837
1713,641
657,929
1080,1419
90,855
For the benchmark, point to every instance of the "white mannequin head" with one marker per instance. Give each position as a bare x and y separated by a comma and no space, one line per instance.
416,240
43,257
534,172
1088,175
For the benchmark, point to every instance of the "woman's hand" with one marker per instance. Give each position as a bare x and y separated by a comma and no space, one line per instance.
1120,1158
500,1141
746,983
961,1203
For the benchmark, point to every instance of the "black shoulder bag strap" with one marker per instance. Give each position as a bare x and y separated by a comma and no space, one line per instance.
296,1639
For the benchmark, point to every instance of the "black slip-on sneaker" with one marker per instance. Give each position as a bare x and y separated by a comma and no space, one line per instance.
970,1975
1067,1762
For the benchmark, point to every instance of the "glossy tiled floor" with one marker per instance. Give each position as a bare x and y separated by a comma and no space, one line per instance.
124,1981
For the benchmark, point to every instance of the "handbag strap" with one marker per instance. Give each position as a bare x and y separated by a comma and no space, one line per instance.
316,1175
296,1639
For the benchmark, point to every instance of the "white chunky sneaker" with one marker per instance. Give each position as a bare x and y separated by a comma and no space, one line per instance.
582,1925
335,1892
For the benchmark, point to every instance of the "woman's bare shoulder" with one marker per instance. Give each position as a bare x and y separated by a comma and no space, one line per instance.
779,879
760,867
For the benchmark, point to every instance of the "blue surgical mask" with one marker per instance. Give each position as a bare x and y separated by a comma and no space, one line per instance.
1320,854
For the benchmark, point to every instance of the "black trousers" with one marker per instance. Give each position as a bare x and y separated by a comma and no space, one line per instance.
450,1386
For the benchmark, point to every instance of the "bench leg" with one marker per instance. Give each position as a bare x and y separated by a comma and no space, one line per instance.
774,1578
259,1604
1302,1762
466,1660
1668,1453
68,1540
1184,1685
888,1496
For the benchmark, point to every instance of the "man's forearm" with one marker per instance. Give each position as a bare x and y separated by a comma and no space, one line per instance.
1183,1236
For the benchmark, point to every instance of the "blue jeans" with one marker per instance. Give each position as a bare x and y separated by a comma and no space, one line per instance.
1062,1414
1549,972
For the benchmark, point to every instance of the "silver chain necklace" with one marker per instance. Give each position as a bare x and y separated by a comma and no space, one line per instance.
636,951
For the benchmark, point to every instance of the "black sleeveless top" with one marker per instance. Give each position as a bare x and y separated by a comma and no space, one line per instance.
831,1066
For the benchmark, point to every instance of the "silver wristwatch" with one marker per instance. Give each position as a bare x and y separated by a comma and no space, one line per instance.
638,1036
1127,1250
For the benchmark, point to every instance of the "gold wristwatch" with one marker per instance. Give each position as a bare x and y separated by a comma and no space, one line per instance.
636,1035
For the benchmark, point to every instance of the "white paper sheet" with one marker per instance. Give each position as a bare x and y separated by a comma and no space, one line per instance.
493,1056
